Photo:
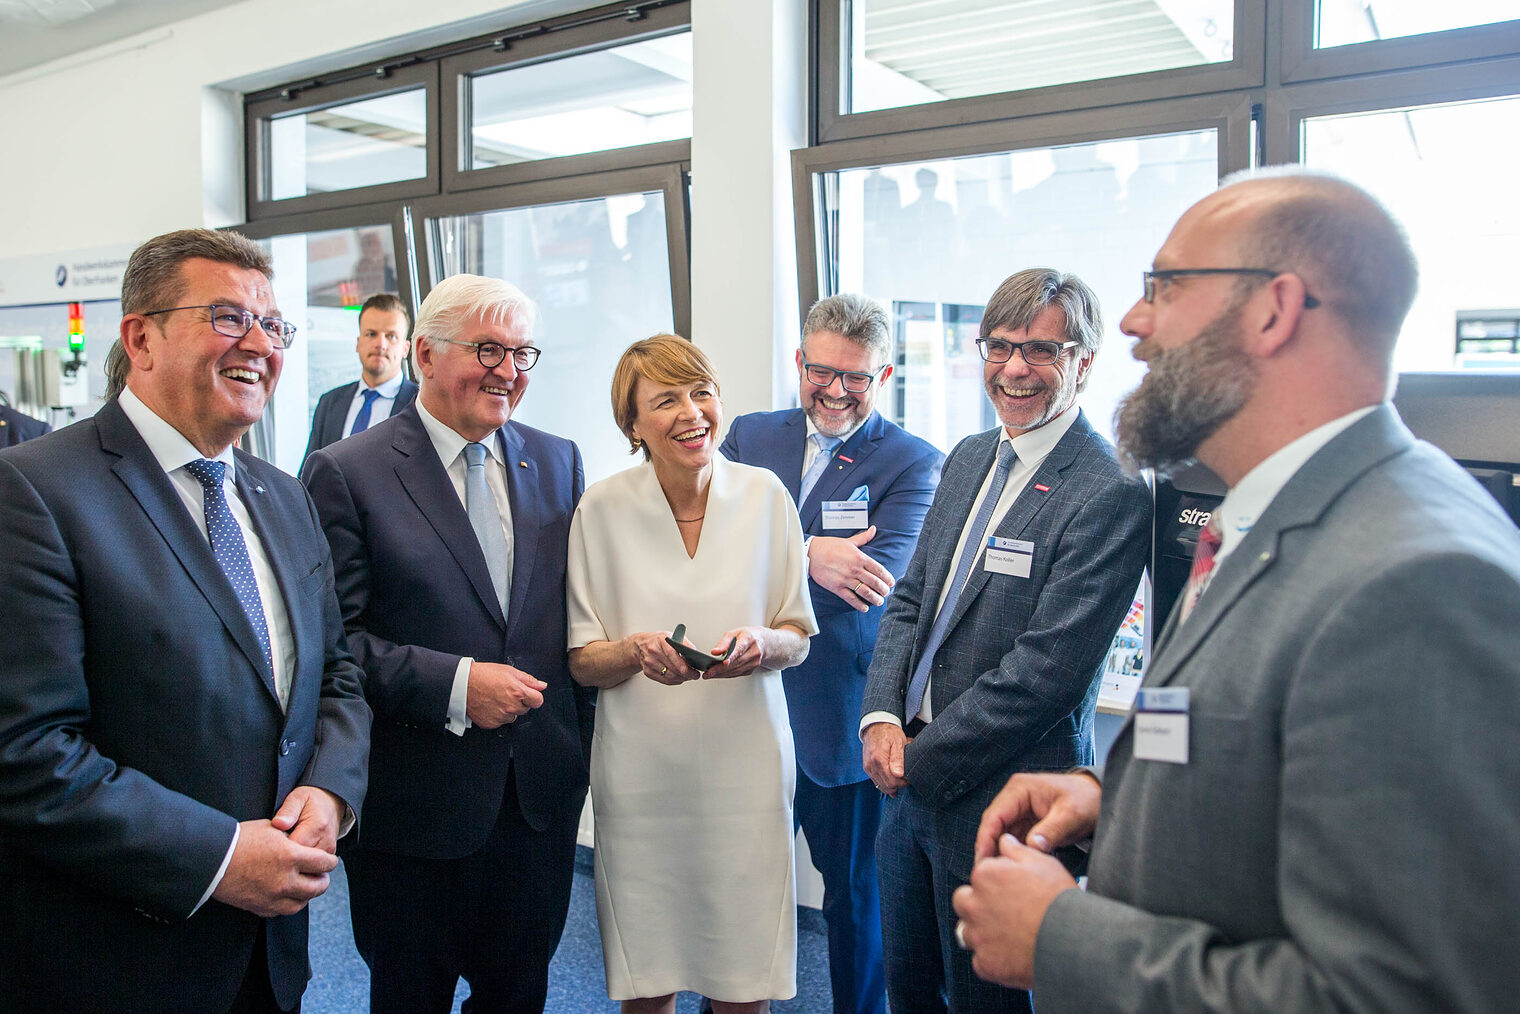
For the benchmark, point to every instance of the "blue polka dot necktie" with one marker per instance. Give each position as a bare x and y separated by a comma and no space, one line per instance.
230,550
361,421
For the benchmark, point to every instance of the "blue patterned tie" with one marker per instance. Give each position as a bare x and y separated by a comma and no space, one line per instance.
485,519
230,550
361,421
825,445
974,539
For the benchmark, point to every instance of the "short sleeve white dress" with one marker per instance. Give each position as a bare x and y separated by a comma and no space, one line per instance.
692,784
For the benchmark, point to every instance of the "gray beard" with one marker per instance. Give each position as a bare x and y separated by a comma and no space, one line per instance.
1188,393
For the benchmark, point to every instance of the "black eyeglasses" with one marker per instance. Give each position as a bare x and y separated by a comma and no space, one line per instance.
493,354
1035,353
236,322
1155,279
855,383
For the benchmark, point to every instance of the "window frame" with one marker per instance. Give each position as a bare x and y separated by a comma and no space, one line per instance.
1245,70
670,179
258,114
1229,114
1301,61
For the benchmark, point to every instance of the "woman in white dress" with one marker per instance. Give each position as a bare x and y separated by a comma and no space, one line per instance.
691,774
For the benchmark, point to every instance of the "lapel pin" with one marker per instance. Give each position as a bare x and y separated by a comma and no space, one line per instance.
850,460
1042,487
258,489
522,464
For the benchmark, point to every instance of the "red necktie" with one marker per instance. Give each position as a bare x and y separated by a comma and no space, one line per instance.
1203,566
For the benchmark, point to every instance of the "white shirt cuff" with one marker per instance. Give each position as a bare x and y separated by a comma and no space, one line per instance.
459,698
221,871
873,717
807,561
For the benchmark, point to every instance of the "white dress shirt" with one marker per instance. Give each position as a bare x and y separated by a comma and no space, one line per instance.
1032,448
173,452
450,447
384,405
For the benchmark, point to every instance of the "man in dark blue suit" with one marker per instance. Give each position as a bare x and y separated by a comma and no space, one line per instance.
382,389
16,427
841,449
449,526
182,734
989,652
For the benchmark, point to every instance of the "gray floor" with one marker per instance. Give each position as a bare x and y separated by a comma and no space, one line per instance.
340,984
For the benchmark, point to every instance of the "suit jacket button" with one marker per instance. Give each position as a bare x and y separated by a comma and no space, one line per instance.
284,747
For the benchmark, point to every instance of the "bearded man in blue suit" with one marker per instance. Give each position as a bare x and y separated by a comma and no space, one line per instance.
862,485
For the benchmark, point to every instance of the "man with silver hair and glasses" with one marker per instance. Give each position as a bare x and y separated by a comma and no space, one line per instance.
1314,807
862,486
449,524
991,645
182,732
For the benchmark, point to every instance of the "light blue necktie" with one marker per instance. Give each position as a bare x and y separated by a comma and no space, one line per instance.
974,539
361,421
230,550
825,445
486,519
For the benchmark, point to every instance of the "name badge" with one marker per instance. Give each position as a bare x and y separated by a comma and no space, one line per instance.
1008,556
1161,724
849,514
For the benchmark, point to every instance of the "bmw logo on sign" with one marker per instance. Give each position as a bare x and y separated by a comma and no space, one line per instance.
61,275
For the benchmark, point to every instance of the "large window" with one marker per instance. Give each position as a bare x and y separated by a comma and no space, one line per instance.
552,155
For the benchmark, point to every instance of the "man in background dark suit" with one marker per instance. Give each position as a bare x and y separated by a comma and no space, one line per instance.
1315,807
449,526
382,389
16,427
989,654
182,735
841,449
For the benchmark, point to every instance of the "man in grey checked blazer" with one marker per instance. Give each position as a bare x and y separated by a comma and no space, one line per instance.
1341,833
1008,676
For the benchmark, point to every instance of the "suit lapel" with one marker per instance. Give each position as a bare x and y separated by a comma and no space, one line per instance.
1028,504
1301,503
527,517
339,415
427,482
834,483
785,454
140,472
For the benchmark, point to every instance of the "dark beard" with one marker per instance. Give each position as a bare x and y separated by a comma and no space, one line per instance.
1188,393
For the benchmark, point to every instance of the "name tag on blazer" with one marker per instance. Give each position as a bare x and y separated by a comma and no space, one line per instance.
848,514
1008,556
1161,724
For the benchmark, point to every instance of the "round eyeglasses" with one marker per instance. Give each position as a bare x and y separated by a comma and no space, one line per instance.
493,354
236,322
1035,353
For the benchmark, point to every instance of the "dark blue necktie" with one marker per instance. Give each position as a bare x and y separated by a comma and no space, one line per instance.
361,421
230,550
974,538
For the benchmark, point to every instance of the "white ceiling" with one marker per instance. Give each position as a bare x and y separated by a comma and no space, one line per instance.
34,32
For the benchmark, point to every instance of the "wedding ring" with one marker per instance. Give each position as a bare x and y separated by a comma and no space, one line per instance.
663,668
857,587
960,934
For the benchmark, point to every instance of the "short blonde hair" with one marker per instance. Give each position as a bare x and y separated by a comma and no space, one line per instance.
664,359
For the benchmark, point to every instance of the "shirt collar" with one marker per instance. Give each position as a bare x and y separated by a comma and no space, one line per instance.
1034,446
170,448
1256,490
447,442
389,389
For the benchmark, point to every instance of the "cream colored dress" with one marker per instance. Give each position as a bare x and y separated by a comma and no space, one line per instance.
692,784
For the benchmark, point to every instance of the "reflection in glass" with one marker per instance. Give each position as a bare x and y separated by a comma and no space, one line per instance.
1446,172
932,241
321,279
906,52
360,144
599,271
1343,22
613,98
